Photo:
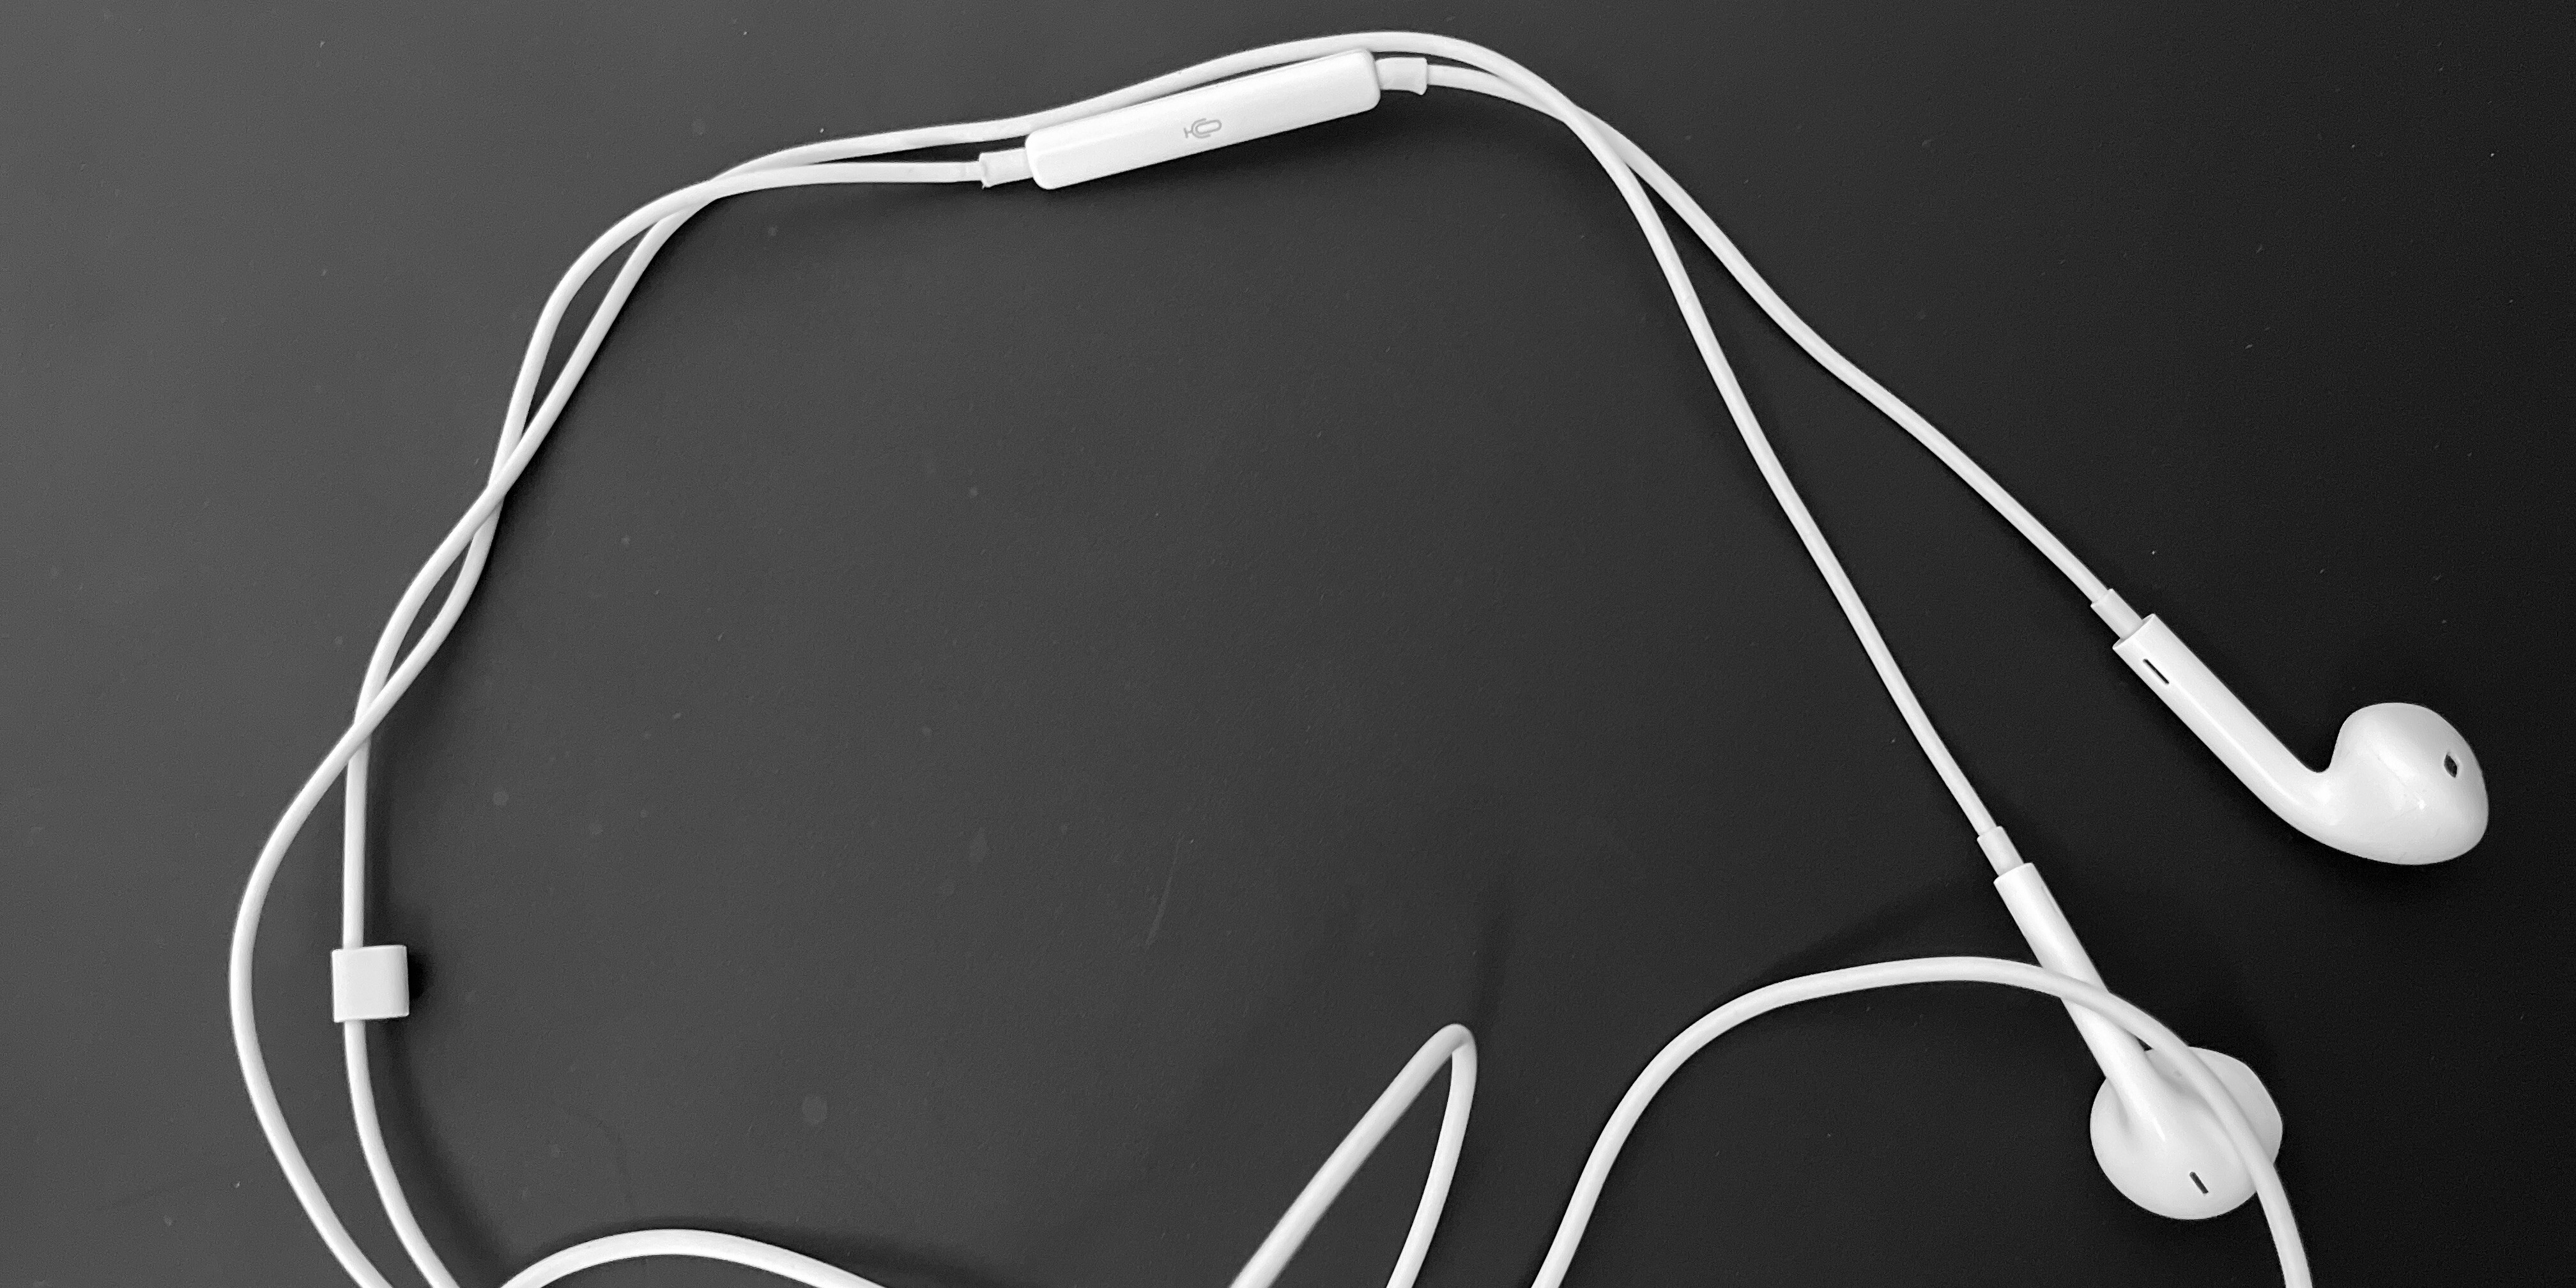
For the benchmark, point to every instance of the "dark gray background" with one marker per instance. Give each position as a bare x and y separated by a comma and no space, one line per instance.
1003,718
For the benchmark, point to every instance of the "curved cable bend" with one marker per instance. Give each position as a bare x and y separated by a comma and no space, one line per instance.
1600,138
1860,382
468,530
1806,337
613,302
1452,1045
635,1245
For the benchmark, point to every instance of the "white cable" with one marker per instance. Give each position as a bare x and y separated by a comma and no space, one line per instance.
705,1244
380,1163
467,544
1860,382
1600,138
1797,329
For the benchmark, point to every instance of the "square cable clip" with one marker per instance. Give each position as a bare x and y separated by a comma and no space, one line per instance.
372,983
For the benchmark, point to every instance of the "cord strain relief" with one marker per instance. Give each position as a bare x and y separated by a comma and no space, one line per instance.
2000,850
1004,167
1410,75
2116,613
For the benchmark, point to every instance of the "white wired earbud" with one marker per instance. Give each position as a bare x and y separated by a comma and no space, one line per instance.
2403,786
2157,1140
2180,1131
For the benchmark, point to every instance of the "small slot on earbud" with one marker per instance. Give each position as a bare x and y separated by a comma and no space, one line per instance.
2450,766
2195,1179
2153,670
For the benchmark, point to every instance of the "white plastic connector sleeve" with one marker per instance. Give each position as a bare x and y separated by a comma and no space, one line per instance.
2000,851
372,983
2116,613
1198,120
1004,167
1404,75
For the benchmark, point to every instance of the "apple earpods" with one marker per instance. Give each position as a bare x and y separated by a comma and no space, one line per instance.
2403,786
2179,1130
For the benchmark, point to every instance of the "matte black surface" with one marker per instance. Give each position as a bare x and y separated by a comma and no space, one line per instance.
1002,718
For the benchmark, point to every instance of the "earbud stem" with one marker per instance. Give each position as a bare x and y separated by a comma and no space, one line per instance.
2043,926
2214,712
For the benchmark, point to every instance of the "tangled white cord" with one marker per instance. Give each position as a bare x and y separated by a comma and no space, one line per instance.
526,423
